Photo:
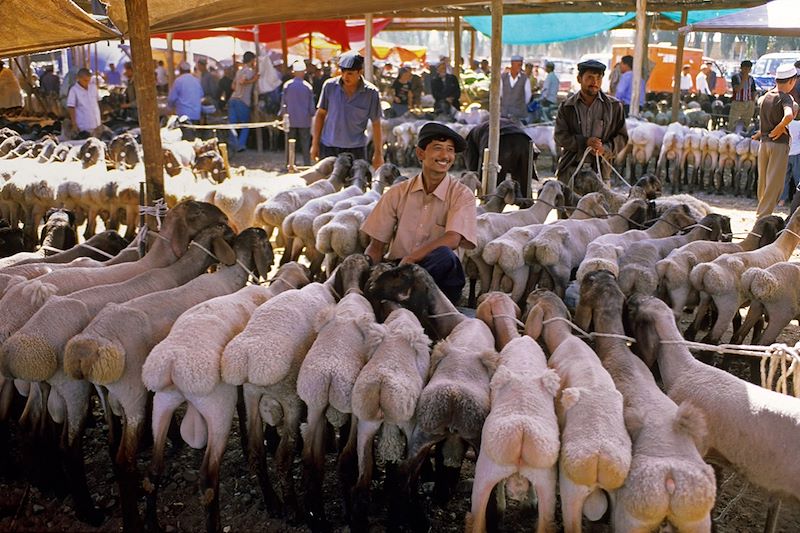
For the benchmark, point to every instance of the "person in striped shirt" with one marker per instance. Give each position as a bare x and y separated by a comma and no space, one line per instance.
743,105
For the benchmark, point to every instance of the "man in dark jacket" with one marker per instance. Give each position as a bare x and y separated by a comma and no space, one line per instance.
446,91
589,120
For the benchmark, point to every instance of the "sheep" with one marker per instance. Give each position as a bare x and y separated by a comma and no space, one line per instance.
746,172
645,140
709,148
492,225
673,271
328,374
727,160
772,295
342,235
697,208
385,396
603,253
185,367
504,254
637,266
720,280
561,247
520,437
266,357
595,446
102,246
671,156
668,480
749,427
471,180
648,187
58,234
181,224
109,353
692,156
506,193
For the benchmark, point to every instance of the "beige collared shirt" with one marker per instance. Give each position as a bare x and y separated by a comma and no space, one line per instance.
408,218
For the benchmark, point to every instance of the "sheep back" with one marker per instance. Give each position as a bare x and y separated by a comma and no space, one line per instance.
712,278
761,283
547,246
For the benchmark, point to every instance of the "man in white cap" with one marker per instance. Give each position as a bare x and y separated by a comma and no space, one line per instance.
241,100
185,97
298,102
84,112
516,91
775,113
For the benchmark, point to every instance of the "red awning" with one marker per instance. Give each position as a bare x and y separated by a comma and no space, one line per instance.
335,30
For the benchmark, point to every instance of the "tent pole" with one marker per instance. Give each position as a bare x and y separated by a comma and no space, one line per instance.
494,94
256,113
183,42
471,47
676,89
284,45
142,55
457,45
639,55
310,46
170,61
368,47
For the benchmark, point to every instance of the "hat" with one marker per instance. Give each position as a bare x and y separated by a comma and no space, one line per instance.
431,131
298,66
184,65
687,65
786,71
591,64
202,61
516,57
351,61
746,63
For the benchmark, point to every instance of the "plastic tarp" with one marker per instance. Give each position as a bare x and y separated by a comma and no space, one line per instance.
335,30
693,17
407,53
779,18
36,26
550,27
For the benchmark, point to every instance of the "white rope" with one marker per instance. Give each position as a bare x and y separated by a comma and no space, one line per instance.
578,168
449,313
96,250
277,279
754,233
252,278
698,225
614,170
206,250
512,318
50,249
592,335
352,289
787,230
158,210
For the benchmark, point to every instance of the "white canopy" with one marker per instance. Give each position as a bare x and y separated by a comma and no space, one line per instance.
779,18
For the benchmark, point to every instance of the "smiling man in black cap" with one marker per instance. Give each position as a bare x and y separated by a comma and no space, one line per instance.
424,219
347,102
589,119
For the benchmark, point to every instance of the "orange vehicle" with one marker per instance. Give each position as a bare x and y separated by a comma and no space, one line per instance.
662,66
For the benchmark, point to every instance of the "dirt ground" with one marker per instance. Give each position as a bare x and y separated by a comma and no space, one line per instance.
27,507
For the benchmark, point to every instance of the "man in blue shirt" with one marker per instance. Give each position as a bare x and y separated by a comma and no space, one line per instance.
347,103
185,97
112,75
625,85
298,102
549,98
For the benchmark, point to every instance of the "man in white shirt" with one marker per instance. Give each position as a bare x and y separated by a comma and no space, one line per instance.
701,86
792,182
162,79
84,112
686,81
516,91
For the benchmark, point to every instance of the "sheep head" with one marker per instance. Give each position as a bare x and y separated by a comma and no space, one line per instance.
293,274
472,181
360,174
341,170
542,304
586,181
720,226
59,229
678,216
91,152
387,174
254,250
212,163
352,274
643,313
494,305
768,227
600,295
171,165
186,220
649,187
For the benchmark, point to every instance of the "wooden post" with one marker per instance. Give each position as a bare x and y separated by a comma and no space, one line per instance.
256,112
183,43
310,46
170,61
471,47
142,55
284,45
368,47
676,89
639,55
457,45
494,94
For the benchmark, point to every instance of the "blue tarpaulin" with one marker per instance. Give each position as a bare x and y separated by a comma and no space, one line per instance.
693,17
550,27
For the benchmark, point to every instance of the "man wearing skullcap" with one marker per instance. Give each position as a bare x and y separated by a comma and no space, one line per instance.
515,91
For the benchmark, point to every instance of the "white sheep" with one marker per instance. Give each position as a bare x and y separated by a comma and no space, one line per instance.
772,292
669,160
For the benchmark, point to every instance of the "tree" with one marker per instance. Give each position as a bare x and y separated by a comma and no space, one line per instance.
726,43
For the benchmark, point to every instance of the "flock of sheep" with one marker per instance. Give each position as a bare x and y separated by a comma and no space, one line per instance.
378,357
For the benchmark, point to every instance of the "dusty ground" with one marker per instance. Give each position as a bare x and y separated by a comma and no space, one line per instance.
26,507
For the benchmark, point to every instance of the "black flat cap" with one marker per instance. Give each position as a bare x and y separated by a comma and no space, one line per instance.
591,64
351,61
434,131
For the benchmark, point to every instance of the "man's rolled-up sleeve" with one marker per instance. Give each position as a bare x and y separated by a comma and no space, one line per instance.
462,218
381,222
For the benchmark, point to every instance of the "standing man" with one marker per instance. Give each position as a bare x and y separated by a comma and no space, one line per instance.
686,81
50,85
298,101
241,99
515,91
402,93
549,91
712,77
185,97
207,80
701,85
625,85
446,91
426,218
112,75
743,104
10,91
589,119
162,80
84,112
347,103
129,105
775,113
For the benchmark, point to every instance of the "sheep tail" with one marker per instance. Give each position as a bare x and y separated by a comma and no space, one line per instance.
545,249
762,284
27,357
94,359
597,263
157,369
698,274
324,236
344,241
287,226
37,292
491,252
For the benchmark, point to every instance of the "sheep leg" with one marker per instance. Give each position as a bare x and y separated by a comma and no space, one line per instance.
452,451
217,411
778,319
678,298
315,259
699,316
164,406
313,467
519,279
485,276
754,314
727,308
572,498
257,453
544,481
404,504
497,276
487,475
348,467
75,469
127,476
290,434
366,433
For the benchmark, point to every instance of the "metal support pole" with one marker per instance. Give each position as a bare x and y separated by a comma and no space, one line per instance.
284,45
494,94
368,47
170,61
676,88
639,55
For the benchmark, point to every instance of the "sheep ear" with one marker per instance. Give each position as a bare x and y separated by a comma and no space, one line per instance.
583,316
375,335
223,251
491,360
648,342
569,397
533,324
263,258
551,381
439,352
691,421
323,317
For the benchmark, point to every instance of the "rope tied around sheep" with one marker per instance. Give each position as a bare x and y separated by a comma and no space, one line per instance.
514,319
790,232
252,278
206,250
276,279
96,250
779,361
50,249
590,336
158,210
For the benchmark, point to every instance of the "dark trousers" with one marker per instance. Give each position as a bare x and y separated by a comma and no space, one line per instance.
327,151
445,268
303,138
